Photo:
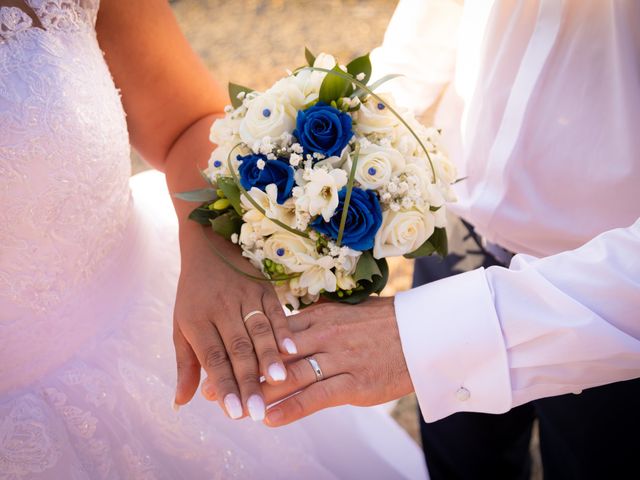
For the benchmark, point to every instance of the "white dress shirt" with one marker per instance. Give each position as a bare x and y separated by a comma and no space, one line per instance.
540,106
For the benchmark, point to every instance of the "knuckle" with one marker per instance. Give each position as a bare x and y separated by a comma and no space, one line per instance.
260,329
269,355
248,379
215,356
295,374
274,312
224,384
296,406
241,348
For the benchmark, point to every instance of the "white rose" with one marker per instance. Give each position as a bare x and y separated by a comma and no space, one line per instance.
320,195
267,116
286,249
446,171
374,117
376,166
225,130
309,81
289,93
219,161
317,274
402,232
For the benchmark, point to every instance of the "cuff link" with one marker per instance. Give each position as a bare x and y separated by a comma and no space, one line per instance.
463,394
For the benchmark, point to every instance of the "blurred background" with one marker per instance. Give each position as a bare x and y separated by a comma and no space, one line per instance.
254,42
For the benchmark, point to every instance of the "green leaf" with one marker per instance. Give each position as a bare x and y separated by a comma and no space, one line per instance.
203,215
334,86
311,58
436,243
367,288
367,268
440,242
234,90
227,224
360,65
231,191
201,195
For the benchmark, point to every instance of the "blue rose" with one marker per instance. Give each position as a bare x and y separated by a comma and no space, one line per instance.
274,171
323,129
363,219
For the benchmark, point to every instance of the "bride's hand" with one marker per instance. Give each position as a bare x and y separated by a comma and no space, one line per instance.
209,331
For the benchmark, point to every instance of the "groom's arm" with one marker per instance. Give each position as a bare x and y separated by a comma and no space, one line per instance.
483,341
489,340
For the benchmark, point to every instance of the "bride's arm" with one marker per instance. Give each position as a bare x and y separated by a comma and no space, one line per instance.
171,100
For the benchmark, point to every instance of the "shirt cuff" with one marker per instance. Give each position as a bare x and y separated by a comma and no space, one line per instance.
454,347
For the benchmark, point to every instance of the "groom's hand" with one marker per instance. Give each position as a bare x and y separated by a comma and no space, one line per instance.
359,352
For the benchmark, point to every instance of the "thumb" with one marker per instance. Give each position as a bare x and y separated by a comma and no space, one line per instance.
188,369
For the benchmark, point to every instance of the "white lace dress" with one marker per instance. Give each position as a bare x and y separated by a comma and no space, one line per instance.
88,271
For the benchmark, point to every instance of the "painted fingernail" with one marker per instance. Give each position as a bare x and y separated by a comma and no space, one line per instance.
276,372
255,404
233,406
289,346
274,416
175,406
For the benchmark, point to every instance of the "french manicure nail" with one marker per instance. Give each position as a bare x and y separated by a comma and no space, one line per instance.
255,404
289,346
175,406
233,406
276,372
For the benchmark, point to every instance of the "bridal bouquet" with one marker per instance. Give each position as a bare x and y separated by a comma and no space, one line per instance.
319,179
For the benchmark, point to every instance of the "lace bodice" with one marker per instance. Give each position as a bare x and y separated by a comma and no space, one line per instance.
64,169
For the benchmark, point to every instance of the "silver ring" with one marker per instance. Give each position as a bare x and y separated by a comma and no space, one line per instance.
251,314
316,368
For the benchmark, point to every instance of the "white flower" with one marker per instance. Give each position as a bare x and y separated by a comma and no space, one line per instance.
289,93
317,274
402,232
225,130
219,161
321,192
287,248
309,81
376,166
267,116
374,117
344,280
261,224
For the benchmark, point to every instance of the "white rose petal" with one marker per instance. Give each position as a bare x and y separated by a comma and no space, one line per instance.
374,117
267,116
376,166
402,232
289,250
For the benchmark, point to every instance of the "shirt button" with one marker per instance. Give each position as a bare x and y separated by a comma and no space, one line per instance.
463,394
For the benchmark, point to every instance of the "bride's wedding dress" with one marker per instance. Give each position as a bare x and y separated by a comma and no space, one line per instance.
88,271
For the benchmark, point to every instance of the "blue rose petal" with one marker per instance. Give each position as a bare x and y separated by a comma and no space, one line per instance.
363,220
277,171
323,129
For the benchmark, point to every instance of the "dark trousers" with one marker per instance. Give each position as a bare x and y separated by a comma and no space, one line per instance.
594,435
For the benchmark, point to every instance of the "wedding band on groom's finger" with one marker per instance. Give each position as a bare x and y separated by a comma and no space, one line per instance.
301,374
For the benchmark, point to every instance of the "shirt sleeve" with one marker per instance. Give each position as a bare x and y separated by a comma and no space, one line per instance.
497,338
419,44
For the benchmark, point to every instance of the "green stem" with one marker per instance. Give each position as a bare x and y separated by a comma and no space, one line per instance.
391,109
347,197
